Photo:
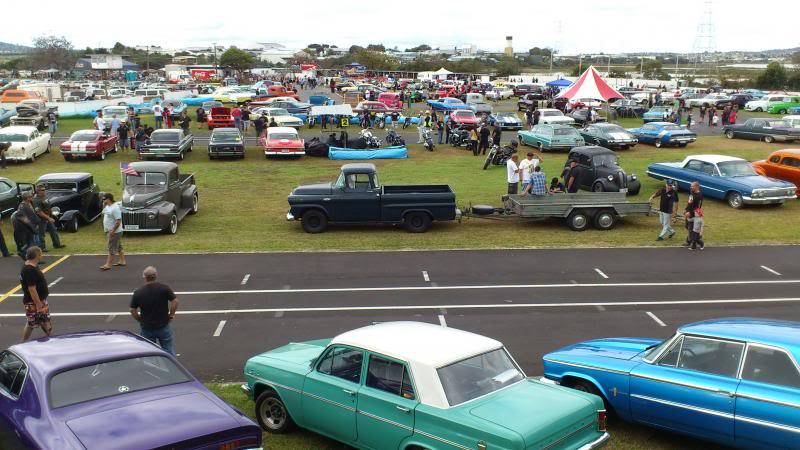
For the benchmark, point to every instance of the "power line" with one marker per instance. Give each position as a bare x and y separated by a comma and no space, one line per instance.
704,52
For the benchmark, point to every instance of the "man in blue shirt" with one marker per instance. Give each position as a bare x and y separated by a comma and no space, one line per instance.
538,183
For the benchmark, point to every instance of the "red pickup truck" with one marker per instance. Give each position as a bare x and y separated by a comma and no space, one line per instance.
276,90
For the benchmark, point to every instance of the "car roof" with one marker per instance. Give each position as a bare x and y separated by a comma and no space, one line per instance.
167,131
154,166
358,167
715,159
25,129
56,353
225,130
64,176
271,130
765,331
788,152
592,150
418,342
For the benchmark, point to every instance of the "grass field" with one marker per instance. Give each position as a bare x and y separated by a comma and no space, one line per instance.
624,436
243,202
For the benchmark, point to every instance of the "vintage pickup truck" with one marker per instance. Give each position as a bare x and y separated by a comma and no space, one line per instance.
168,143
32,112
357,197
157,197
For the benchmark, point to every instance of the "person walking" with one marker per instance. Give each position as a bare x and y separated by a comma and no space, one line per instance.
245,118
512,174
99,122
154,306
168,116
112,225
439,129
158,112
694,202
484,139
122,132
536,115
696,233
185,122
140,137
34,294
115,123
47,224
732,115
668,208
52,121
473,141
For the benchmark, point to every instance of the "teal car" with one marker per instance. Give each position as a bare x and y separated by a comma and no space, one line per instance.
551,137
657,114
418,386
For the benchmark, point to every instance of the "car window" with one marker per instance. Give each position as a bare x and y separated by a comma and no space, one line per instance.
709,169
12,373
389,376
694,165
770,365
792,162
342,362
710,355
670,357
777,158
5,187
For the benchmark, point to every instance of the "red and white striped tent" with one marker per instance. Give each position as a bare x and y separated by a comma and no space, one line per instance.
590,85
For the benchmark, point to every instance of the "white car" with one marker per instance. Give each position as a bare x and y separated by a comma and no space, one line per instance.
554,116
500,93
280,115
26,142
112,110
764,102
708,100
794,121
272,100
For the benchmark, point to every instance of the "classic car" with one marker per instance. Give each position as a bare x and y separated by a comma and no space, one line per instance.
521,90
282,141
608,135
11,195
664,133
782,165
446,91
740,99
374,107
580,116
657,114
464,119
121,112
107,390
529,100
767,130
27,142
499,93
157,197
391,99
220,117
551,137
293,106
75,198
415,207
715,100
206,106
793,120
600,171
88,144
726,178
448,104
176,107
32,112
233,94
505,121
5,116
784,107
734,381
75,96
277,90
167,143
765,102
554,116
281,117
477,102
226,142
432,388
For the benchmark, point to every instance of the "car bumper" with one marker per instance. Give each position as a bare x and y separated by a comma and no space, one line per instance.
767,200
785,138
290,217
284,152
678,141
164,154
79,153
562,146
597,443
17,158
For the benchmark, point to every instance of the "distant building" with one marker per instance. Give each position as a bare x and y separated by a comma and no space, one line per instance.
99,62
509,50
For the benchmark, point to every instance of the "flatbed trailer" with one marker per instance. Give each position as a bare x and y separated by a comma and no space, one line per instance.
580,210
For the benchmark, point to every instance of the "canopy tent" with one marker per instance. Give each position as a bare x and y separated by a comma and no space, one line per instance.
590,85
442,73
559,83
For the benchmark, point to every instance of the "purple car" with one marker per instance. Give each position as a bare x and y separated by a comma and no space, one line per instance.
111,390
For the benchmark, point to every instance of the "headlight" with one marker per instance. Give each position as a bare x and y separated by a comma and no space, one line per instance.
56,210
611,178
151,216
757,193
634,177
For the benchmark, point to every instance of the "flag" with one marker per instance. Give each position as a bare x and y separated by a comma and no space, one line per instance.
127,169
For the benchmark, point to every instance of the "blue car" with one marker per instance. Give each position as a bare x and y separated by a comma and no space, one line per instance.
725,178
732,381
448,104
5,116
664,133
506,121
794,110
657,114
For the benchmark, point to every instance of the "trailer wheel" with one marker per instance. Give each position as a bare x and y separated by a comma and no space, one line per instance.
604,220
417,222
578,221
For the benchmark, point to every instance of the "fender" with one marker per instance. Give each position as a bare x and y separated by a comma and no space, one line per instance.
620,402
66,217
608,186
415,441
301,209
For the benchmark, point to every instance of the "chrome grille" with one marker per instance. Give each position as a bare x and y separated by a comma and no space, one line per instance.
138,218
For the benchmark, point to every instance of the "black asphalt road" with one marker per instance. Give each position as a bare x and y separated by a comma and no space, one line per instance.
236,305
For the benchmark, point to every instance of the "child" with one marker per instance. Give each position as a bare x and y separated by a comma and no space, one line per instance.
689,120
698,226
715,120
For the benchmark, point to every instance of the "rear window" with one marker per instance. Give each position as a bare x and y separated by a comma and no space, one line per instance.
83,136
112,378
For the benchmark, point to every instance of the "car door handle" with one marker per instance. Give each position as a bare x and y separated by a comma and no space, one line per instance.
403,408
721,392
326,199
348,392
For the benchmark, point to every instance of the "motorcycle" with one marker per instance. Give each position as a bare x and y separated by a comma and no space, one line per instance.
459,137
371,140
500,155
394,139
427,140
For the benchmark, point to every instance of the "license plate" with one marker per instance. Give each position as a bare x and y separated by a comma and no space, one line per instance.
284,151
80,155
131,227
624,190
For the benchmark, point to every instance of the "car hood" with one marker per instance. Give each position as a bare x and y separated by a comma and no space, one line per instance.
300,353
25,111
615,348
313,189
761,182
138,196
538,412
153,423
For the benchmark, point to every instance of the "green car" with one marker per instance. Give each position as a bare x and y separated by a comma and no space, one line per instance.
411,385
784,107
551,137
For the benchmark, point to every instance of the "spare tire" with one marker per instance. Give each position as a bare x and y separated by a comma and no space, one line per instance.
483,210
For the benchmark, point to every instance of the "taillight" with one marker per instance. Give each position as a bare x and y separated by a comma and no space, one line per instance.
602,419
239,444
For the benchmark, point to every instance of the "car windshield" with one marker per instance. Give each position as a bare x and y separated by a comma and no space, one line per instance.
477,376
278,112
611,128
465,114
83,136
288,136
13,137
164,137
671,127
778,123
604,160
112,378
659,109
564,131
507,115
655,349
108,112
736,169
226,137
552,113
59,186
146,179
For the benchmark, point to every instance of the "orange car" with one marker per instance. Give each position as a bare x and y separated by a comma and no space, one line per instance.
18,95
783,165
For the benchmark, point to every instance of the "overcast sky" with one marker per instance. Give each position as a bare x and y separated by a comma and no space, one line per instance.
580,26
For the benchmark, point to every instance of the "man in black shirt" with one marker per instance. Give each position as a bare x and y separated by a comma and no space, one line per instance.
571,178
153,306
34,294
47,223
668,207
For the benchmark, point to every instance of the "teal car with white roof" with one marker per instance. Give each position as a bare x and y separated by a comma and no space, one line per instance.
547,137
418,386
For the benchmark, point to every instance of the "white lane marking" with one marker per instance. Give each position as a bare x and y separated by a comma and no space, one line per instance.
439,307
110,318
433,287
244,280
774,272
221,325
600,308
655,318
600,272
278,314
286,287
425,276
442,321
55,282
